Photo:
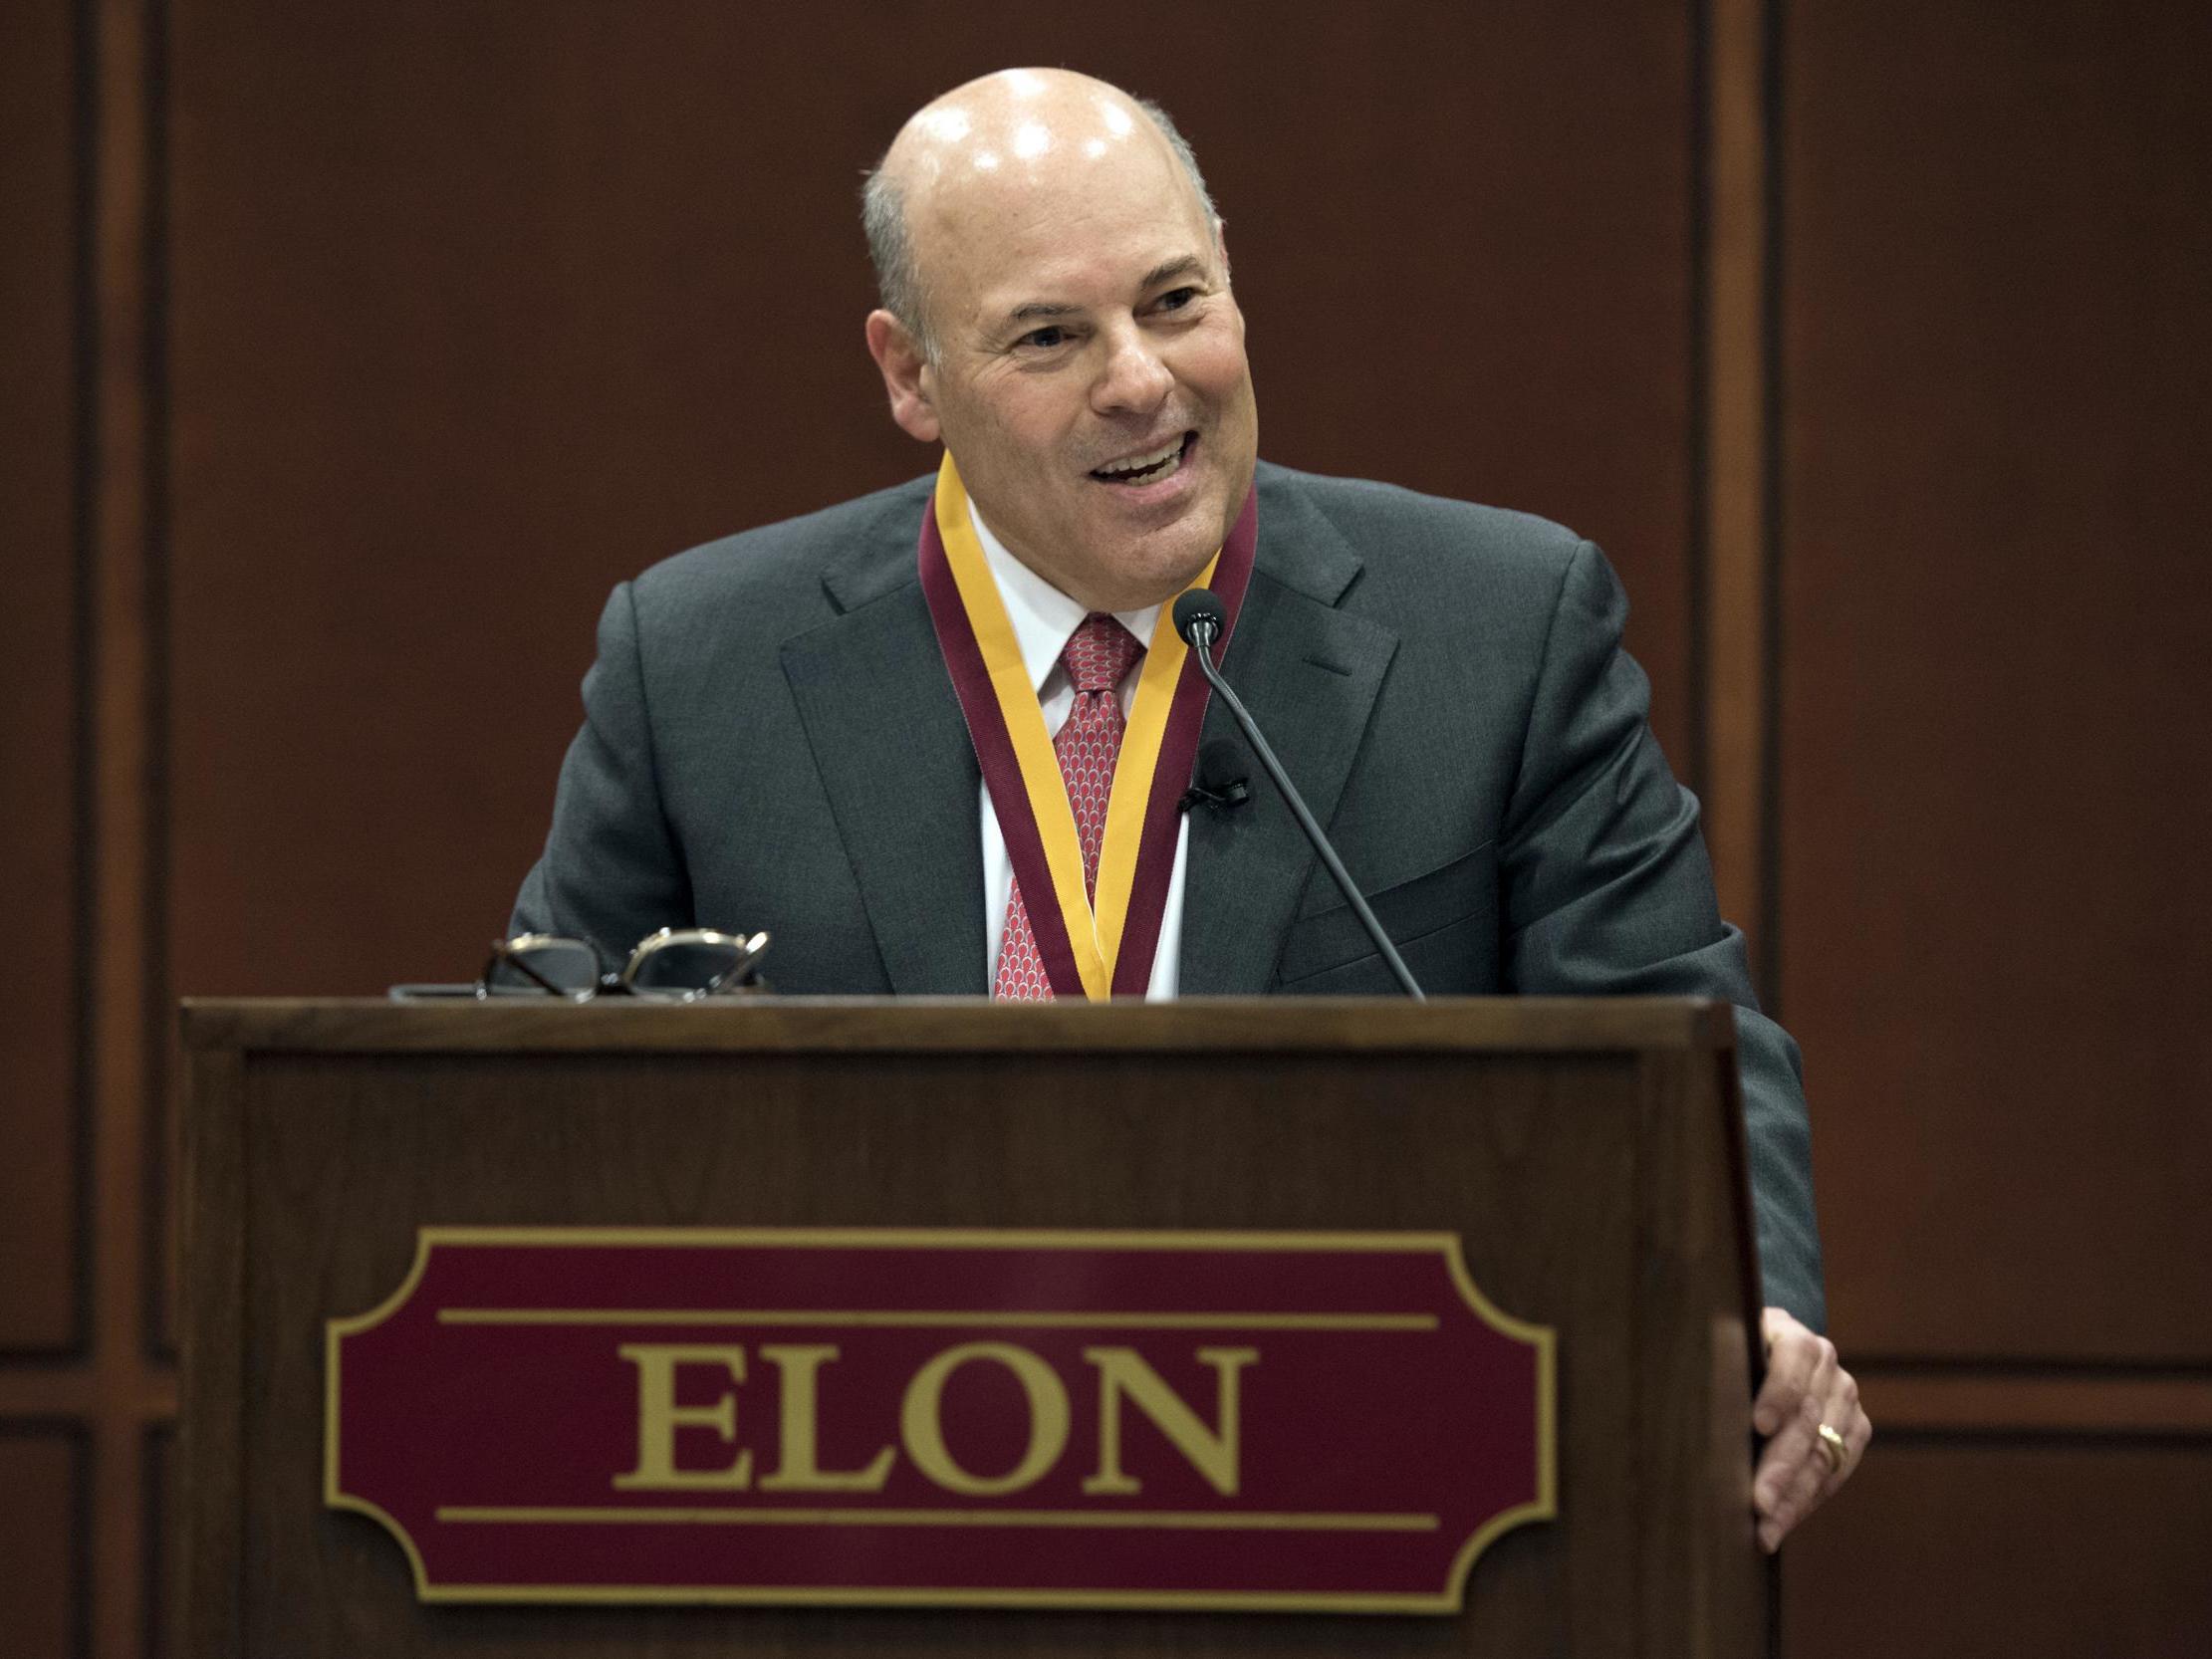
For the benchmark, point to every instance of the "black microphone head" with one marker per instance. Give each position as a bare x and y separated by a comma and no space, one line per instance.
1196,609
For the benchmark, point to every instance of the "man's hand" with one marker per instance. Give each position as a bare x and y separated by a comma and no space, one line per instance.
1806,1389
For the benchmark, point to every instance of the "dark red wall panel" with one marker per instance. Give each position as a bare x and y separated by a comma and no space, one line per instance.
40,801
42,1519
1997,623
1998,1549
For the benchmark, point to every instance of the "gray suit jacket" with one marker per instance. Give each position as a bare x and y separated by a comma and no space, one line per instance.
770,739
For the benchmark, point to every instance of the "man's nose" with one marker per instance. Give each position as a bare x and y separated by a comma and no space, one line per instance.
1133,376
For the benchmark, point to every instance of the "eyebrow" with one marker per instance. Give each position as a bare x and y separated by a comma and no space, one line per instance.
1187,265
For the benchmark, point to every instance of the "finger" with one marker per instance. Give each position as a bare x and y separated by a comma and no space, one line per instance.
1802,1490
1793,1357
1860,1435
1793,1464
1852,1431
1848,1418
1793,1467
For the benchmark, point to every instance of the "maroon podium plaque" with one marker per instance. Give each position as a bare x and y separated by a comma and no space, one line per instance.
1302,1421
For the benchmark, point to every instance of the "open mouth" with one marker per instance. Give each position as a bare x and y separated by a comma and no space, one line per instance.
1148,469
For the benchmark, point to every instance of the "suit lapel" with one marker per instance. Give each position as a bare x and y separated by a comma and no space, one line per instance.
1309,672
895,761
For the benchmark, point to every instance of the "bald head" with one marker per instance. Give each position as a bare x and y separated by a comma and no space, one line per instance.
1013,133
1058,313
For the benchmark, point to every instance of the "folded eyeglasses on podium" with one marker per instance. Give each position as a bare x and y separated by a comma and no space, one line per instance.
676,965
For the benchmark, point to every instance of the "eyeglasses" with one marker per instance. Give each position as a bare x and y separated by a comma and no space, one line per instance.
675,965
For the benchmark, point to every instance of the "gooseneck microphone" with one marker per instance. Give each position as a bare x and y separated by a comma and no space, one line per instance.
1199,619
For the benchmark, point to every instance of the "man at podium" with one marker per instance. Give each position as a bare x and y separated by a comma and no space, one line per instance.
944,739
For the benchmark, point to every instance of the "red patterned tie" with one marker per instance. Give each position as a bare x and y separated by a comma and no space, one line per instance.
1098,657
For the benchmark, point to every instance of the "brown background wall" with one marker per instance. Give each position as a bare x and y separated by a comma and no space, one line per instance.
346,357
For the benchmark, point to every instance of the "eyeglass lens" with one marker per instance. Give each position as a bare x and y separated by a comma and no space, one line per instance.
683,967
566,963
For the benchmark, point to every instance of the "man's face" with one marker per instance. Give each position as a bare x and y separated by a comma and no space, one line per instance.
1089,379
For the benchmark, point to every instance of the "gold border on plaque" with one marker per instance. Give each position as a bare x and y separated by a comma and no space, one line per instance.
333,1332
1450,1600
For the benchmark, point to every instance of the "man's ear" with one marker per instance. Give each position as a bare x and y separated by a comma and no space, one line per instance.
898,354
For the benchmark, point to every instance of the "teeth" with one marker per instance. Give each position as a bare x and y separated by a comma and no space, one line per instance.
1143,463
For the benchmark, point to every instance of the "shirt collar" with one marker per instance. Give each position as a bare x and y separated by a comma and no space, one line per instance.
1043,617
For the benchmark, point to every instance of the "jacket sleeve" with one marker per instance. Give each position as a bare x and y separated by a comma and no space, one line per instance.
1609,892
612,871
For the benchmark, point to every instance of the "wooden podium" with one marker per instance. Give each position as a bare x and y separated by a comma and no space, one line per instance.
1588,1156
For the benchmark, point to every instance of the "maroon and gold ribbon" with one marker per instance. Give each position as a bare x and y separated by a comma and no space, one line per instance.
1105,950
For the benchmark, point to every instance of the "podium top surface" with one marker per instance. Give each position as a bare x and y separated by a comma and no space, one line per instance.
957,1023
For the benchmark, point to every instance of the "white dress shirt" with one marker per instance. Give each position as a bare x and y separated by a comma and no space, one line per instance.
1044,618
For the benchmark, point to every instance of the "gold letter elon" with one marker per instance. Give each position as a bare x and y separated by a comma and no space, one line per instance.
658,1418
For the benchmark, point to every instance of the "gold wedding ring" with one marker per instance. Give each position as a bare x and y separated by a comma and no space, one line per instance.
1832,1442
